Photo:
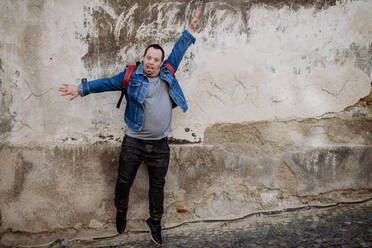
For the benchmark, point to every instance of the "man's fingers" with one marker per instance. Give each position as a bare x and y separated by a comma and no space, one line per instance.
194,21
73,97
197,14
63,88
69,89
70,93
196,17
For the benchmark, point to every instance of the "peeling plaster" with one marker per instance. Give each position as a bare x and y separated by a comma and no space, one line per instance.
253,61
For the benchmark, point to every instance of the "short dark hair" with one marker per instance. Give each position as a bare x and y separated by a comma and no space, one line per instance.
156,46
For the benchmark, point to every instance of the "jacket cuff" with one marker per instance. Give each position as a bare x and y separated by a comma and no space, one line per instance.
83,87
188,36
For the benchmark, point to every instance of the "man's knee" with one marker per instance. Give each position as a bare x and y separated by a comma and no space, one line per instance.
125,179
157,183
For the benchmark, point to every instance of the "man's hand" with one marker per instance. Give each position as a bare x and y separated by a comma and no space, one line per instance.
194,21
69,89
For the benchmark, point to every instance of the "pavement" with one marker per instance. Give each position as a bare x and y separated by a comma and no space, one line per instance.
342,225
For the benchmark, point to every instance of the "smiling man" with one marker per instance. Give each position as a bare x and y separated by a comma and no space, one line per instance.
151,94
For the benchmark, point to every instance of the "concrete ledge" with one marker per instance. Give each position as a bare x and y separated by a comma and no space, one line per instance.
67,192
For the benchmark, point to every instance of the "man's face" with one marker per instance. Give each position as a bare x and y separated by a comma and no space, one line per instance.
152,62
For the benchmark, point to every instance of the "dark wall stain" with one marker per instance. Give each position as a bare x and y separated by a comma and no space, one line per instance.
6,117
362,56
296,4
365,171
332,165
175,141
109,159
20,175
104,49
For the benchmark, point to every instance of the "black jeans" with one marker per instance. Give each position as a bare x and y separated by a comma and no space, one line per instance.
155,154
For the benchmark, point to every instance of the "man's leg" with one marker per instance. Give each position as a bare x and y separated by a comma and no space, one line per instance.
157,166
156,191
129,161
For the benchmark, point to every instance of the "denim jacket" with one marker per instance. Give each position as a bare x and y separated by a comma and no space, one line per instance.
136,90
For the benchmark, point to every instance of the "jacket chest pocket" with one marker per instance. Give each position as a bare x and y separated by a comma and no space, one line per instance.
134,87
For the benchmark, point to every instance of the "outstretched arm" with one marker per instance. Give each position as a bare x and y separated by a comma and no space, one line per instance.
95,86
186,40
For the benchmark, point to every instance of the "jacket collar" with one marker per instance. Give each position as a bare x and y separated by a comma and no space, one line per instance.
139,69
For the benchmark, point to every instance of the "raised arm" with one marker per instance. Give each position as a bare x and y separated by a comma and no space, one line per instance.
194,21
183,43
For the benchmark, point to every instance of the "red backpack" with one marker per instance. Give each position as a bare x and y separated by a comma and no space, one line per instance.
128,74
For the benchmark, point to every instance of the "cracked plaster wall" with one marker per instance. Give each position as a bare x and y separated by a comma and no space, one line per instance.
253,61
279,96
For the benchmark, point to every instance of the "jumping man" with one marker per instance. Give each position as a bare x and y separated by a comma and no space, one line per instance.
151,93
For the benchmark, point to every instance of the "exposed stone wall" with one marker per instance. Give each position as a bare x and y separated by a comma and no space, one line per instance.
253,61
280,111
67,192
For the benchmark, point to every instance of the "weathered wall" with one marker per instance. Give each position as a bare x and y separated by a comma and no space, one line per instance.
280,105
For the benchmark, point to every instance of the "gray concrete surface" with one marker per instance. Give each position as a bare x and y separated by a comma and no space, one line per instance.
343,226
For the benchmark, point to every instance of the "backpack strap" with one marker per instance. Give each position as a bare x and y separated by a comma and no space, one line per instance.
127,76
169,67
126,79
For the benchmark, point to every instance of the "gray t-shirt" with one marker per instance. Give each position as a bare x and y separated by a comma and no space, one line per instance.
158,112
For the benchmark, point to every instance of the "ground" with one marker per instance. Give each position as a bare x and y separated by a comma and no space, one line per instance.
342,225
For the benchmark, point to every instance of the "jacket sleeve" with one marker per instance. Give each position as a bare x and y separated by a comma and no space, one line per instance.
179,49
101,85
